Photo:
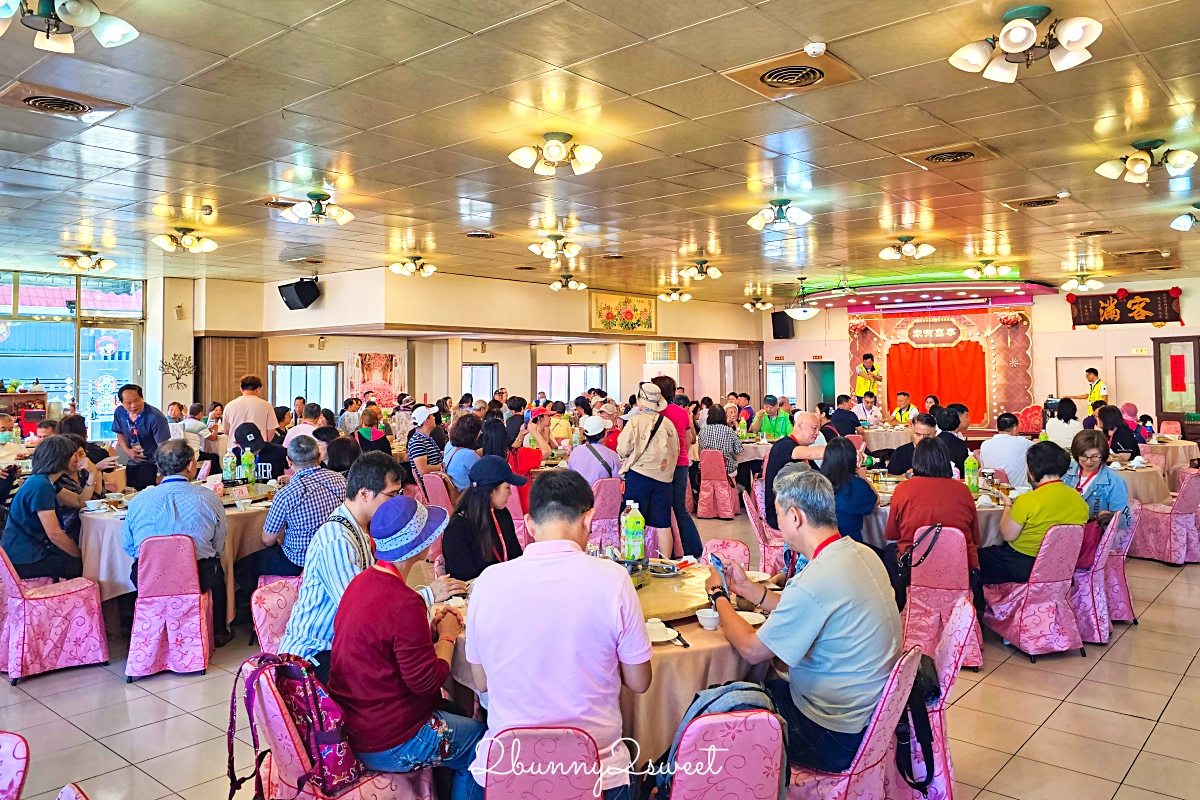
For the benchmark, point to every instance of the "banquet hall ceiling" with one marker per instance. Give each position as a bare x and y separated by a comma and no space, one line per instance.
407,110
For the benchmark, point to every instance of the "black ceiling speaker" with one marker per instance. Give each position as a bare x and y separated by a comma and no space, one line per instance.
301,294
781,325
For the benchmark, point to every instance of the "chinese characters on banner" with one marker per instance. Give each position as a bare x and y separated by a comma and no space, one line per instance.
934,333
1178,373
1157,308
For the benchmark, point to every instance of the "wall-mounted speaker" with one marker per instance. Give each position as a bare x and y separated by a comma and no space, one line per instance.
301,294
781,325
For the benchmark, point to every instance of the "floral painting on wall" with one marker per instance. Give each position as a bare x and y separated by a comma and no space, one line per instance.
621,313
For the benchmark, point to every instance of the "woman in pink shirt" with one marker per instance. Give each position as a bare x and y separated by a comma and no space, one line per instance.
678,416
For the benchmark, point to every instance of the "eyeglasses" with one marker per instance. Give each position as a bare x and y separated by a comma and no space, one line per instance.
1090,457
390,495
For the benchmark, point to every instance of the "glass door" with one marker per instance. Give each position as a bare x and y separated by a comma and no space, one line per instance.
108,354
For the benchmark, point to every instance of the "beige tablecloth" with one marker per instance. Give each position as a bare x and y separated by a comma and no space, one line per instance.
1146,484
1179,455
752,451
989,526
107,564
886,440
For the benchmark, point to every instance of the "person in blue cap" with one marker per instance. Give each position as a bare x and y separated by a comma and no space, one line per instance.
481,531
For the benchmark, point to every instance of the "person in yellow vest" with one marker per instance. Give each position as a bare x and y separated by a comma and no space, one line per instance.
867,377
1096,388
905,410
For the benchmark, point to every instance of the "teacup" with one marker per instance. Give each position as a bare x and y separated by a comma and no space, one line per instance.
708,619
656,627
93,505
114,497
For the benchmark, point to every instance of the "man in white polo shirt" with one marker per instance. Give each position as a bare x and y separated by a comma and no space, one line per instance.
1006,450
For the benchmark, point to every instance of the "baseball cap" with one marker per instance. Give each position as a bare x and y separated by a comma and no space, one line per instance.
493,469
593,426
421,414
249,436
771,400
538,412
402,527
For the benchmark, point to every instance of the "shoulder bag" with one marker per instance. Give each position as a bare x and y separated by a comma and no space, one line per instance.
904,563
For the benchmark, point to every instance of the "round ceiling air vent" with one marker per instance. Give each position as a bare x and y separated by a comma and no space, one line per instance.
950,157
1041,202
1086,234
791,77
480,235
57,105
613,256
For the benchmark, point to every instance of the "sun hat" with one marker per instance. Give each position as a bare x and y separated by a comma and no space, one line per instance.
402,528
493,469
609,408
649,396
594,426
421,414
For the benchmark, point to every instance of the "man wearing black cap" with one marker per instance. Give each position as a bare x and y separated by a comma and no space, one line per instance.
270,459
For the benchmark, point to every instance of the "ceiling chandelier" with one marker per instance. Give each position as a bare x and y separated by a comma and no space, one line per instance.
184,239
701,270
555,245
1082,281
1066,44
803,308
1136,166
779,215
317,210
412,265
676,295
568,282
555,153
86,261
907,247
1184,222
56,20
988,270
757,304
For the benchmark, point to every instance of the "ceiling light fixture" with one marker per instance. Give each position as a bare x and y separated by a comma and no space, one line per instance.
545,159
779,215
1184,222
1065,43
1082,281
676,295
86,261
1136,167
412,265
906,247
184,239
987,270
555,245
55,20
569,282
803,308
757,304
317,210
701,270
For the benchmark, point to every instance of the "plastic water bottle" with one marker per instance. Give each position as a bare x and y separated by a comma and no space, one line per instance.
248,466
575,439
972,470
741,428
621,527
229,466
635,534
1043,436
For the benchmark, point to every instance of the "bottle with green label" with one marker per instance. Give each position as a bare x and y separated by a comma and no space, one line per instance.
972,470
741,429
633,536
248,465
1043,436
869,461
228,466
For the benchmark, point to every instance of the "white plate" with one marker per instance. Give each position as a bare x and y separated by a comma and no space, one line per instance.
757,577
753,617
662,638
457,602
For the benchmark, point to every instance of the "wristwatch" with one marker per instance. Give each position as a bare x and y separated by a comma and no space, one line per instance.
718,592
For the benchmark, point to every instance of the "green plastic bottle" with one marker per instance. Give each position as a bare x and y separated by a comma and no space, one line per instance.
634,535
248,466
972,468
1043,436
741,429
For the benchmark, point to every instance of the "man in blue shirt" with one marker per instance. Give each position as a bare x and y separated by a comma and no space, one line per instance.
180,506
140,428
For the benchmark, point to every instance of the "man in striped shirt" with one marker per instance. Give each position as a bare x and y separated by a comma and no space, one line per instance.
340,550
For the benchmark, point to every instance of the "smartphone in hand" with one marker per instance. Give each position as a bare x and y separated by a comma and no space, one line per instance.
719,566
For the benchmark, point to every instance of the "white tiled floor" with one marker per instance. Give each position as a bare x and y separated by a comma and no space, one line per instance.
1122,723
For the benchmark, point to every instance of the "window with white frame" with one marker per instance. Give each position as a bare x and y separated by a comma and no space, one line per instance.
316,383
479,380
565,382
781,381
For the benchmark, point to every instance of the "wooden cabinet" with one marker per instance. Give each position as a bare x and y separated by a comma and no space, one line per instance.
221,361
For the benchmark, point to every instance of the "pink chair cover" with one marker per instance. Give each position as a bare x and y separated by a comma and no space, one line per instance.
728,550
14,763
1001,476
439,566
533,749
1120,601
436,491
606,522
937,584
51,627
1036,617
718,496
1170,426
72,791
518,518
1089,591
856,439
770,541
270,608
867,774
746,750
1169,533
201,474
29,584
1154,459
288,761
172,618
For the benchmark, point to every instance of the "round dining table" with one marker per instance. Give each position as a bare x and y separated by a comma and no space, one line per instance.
1146,485
1179,454
754,451
880,439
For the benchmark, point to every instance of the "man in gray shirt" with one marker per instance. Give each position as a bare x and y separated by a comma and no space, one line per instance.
835,625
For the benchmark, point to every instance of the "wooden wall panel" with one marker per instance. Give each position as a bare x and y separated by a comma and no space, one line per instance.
222,361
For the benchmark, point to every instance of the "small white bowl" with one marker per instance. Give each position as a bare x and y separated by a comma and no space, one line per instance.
93,505
242,504
708,619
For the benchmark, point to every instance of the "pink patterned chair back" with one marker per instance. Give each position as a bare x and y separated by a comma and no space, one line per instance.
746,750
270,608
856,439
607,492
1124,536
1089,590
938,583
1188,499
71,792
533,749
1001,476
12,581
712,466
1157,461
1056,559
518,517
728,550
201,474
14,764
951,651
436,491
1170,533
760,498
1170,426
167,566
1120,601
770,551
718,495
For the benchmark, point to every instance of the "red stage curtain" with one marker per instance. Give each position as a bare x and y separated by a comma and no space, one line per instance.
955,374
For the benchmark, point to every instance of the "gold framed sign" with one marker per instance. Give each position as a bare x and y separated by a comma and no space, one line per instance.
942,332
616,312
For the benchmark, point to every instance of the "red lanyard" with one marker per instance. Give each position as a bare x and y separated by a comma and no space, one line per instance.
499,535
825,544
1083,482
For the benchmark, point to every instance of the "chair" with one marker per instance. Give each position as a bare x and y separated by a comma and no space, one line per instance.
288,761
1168,533
1120,602
1154,459
436,491
770,543
856,439
1089,591
938,583
606,522
14,764
728,550
1001,476
172,618
1170,426
51,627
1029,420
516,756
270,607
518,517
731,754
718,495
867,774
201,474
948,658
1036,617
29,584
69,792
